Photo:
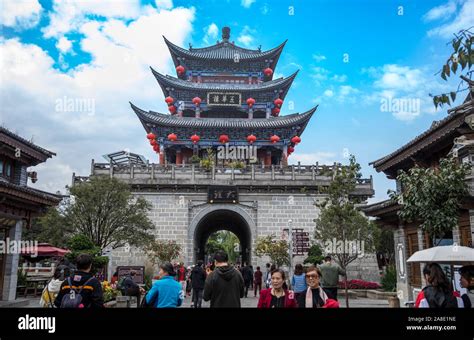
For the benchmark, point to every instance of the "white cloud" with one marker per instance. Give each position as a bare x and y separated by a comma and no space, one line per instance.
403,91
20,14
245,39
211,33
463,20
70,15
121,53
166,4
265,9
399,78
329,93
247,3
441,12
319,57
246,36
321,75
340,78
64,45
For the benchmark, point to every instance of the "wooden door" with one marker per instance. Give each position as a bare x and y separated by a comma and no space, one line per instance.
465,234
414,273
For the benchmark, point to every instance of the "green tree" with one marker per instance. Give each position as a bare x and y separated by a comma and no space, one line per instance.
50,228
106,212
224,240
277,250
433,195
315,255
461,58
340,222
160,251
385,245
80,244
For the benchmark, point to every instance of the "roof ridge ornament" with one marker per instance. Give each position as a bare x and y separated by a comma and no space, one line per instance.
225,34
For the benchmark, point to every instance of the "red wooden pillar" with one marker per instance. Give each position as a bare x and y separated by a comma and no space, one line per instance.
179,157
268,158
162,157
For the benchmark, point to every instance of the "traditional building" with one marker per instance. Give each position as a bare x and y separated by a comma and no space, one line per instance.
451,136
18,202
226,95
223,94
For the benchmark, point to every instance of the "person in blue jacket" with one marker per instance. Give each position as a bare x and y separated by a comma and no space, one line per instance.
166,292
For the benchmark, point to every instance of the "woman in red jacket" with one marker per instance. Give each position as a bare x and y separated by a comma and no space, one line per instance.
277,297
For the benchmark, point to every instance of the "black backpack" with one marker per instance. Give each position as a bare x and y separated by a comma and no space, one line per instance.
74,298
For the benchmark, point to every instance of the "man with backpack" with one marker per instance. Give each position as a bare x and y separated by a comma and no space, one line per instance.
129,287
82,290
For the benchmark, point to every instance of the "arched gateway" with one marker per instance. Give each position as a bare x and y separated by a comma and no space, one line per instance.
221,217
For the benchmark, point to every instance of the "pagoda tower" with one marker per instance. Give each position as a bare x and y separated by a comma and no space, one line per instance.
223,95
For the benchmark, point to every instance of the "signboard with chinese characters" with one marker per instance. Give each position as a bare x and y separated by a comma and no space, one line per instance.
300,240
223,194
223,99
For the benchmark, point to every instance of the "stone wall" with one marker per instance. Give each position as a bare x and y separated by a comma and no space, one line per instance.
176,215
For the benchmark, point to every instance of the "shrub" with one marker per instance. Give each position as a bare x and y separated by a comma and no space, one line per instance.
389,279
359,284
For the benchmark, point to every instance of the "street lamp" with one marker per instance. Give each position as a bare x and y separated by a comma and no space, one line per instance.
290,240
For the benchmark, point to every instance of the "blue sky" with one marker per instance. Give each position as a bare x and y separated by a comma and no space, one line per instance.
352,55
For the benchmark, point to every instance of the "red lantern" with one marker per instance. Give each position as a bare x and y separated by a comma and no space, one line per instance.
274,139
295,140
250,102
156,148
150,136
251,139
172,137
172,108
223,139
195,138
169,100
278,102
197,101
153,142
268,72
290,150
180,69
275,111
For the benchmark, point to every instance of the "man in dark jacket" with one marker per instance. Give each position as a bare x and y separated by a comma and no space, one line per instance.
225,285
130,288
198,278
248,276
92,296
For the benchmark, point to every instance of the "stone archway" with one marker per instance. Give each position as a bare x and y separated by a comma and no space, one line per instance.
221,217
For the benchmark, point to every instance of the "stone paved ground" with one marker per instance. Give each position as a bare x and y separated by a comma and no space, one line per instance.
251,302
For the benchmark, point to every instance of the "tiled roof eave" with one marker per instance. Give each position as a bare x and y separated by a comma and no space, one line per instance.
236,123
165,81
222,51
36,195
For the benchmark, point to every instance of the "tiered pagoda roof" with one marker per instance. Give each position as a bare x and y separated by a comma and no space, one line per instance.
296,123
223,93
224,52
264,91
